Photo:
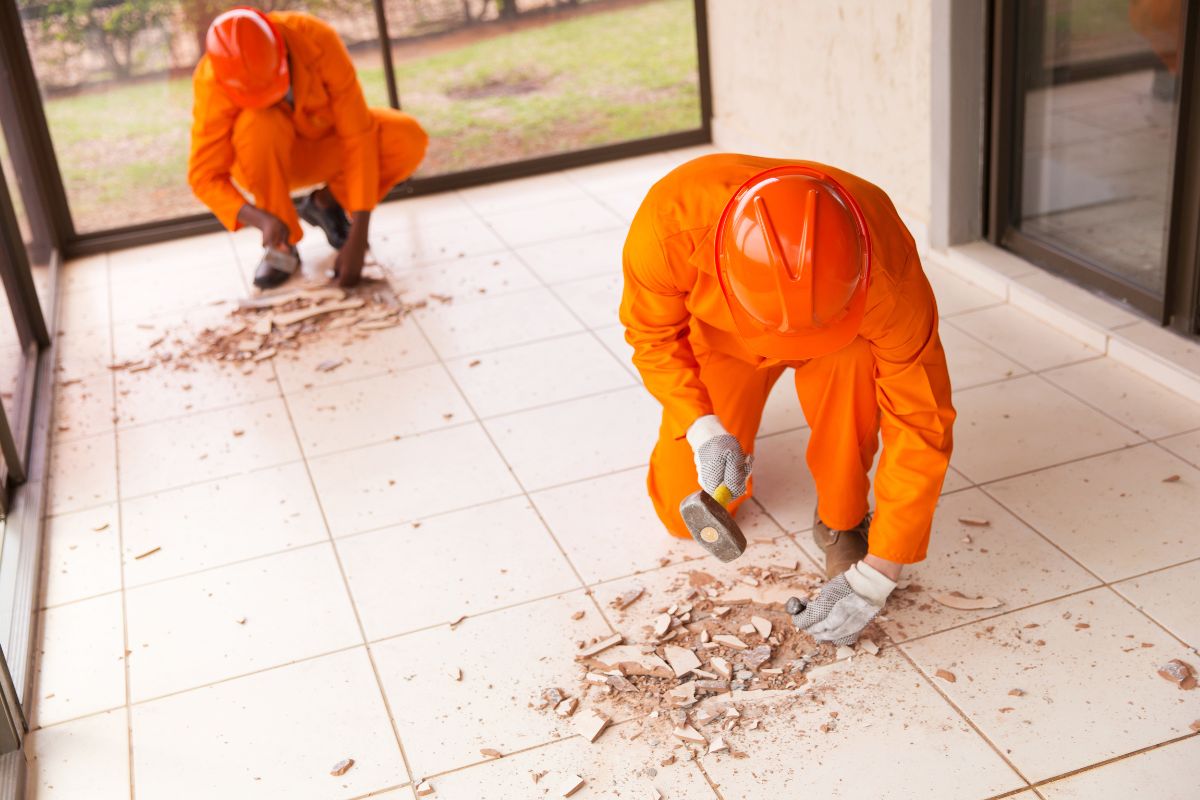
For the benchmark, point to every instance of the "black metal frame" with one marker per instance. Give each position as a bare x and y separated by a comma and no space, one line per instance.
72,243
1179,304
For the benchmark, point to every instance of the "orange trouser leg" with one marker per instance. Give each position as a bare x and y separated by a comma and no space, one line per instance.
837,394
263,140
738,392
402,143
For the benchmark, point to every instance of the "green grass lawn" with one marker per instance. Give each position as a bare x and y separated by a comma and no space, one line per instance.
593,79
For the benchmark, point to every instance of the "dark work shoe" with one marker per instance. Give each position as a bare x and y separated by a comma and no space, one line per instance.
842,549
332,220
276,267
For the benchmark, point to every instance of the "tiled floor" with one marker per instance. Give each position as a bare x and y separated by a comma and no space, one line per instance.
296,611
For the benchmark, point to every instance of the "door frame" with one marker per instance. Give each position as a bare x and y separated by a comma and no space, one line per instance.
1179,305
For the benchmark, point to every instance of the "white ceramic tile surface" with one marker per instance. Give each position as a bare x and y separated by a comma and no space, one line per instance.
594,300
550,371
385,484
273,734
576,257
358,355
1114,513
88,757
88,632
1024,424
83,473
1166,773
195,630
81,556
459,329
1135,401
1021,337
413,576
578,438
1170,597
1059,654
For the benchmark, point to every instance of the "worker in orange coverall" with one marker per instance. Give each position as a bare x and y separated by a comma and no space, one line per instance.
738,267
278,107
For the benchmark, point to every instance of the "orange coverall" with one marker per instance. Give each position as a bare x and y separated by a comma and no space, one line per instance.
892,377
329,135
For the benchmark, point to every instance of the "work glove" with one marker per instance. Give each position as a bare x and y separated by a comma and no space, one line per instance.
720,460
844,606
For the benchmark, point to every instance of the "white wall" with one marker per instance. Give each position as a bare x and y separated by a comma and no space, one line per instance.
845,82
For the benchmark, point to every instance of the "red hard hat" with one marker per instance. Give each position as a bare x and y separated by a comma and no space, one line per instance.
794,260
248,57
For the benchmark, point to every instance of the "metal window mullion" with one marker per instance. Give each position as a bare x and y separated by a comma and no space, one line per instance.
385,50
17,277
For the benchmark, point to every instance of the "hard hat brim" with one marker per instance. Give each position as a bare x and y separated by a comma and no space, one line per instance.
806,345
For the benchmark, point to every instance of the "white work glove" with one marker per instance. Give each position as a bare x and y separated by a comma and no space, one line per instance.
720,460
845,605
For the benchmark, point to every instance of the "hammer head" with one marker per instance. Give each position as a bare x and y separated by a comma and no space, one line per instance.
712,526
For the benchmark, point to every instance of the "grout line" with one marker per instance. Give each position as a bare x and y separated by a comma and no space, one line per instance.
349,594
1125,756
967,719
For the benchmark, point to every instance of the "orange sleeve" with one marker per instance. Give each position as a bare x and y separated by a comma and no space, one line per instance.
655,315
211,159
916,419
355,125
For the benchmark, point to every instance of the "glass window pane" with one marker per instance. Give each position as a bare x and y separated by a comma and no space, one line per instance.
38,253
115,76
527,78
1101,96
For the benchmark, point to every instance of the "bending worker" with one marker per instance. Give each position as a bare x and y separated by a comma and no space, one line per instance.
738,267
278,107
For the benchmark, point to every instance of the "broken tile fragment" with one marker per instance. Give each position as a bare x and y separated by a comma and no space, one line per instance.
730,641
717,745
626,599
424,789
868,646
681,659
490,752
975,522
689,734
630,660
569,785
342,767
601,645
721,667
566,707
843,652
682,695
591,724
763,626
958,600
946,675
1178,672
662,623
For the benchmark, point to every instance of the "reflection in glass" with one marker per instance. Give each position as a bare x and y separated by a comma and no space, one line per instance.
1100,108
115,76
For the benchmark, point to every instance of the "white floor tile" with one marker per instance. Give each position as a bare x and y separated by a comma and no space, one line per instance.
536,374
782,411
594,300
572,217
378,409
85,758
782,482
464,279
82,352
1171,772
956,296
1170,597
85,308
576,257
386,484
616,766
409,213
930,751
195,630
971,362
1005,560
579,438
82,474
1090,684
146,299
466,562
507,658
82,556
358,355
273,734
606,539
1021,337
401,248
81,661
84,273
204,446
522,193
167,392
1113,512
218,522
1024,424
1186,446
1137,402
502,321
613,338
84,408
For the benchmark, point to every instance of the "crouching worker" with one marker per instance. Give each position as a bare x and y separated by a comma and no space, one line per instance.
737,268
278,107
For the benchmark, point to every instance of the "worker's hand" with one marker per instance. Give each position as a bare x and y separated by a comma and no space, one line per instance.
720,460
844,606
275,231
348,267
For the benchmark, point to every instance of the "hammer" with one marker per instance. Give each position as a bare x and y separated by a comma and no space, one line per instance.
711,525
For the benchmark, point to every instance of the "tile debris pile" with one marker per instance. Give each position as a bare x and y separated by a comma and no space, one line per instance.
260,327
719,662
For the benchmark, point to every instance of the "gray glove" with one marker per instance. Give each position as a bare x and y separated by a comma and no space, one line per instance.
844,606
720,460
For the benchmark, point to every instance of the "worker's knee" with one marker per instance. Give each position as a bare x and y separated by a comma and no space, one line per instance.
261,136
854,357
402,144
